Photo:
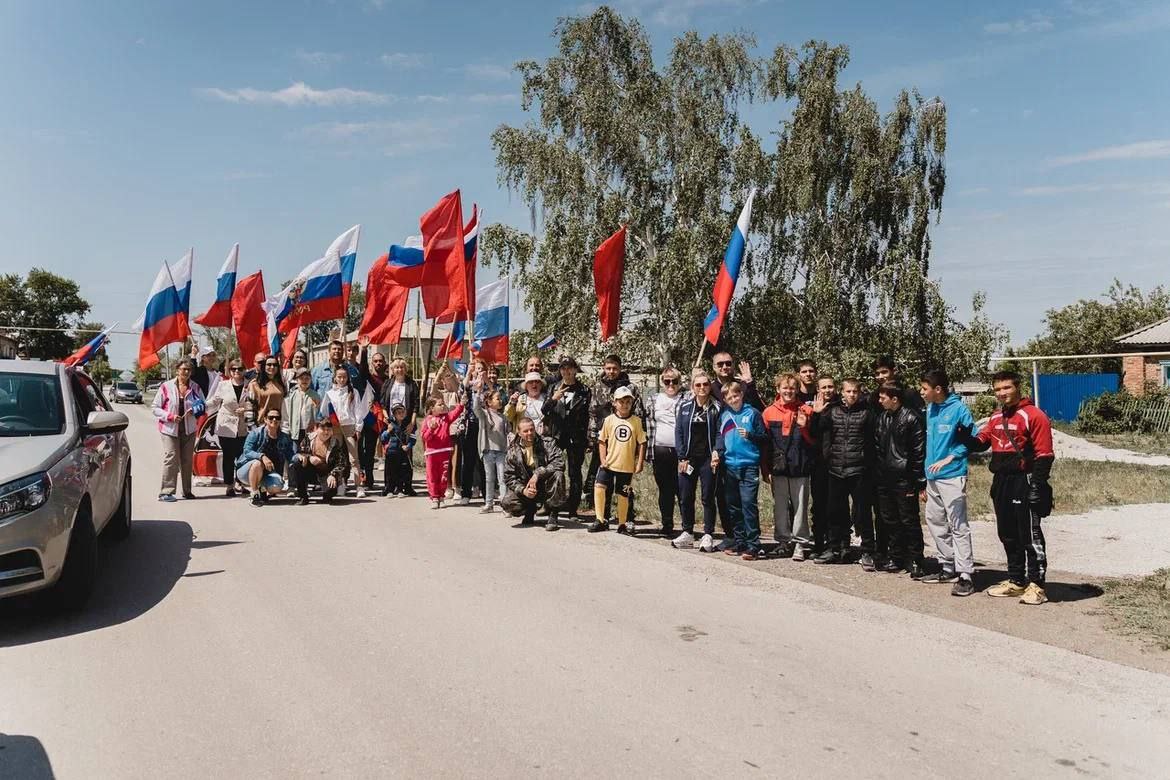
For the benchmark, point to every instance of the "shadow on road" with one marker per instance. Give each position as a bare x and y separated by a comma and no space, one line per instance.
24,757
135,575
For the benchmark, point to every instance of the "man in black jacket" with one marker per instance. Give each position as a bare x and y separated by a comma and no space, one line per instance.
566,420
534,474
900,451
725,372
846,426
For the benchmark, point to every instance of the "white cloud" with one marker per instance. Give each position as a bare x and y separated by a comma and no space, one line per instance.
1032,24
486,72
433,99
319,59
389,136
401,60
1143,150
1058,189
495,98
297,94
673,13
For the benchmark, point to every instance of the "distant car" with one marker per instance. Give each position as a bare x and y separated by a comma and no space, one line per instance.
64,479
126,393
153,385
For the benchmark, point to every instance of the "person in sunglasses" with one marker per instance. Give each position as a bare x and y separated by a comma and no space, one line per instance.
661,417
231,403
267,390
266,451
725,373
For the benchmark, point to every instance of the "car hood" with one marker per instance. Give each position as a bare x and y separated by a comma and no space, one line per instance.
24,455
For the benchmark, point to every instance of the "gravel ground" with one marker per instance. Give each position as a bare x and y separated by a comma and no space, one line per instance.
1076,448
1125,541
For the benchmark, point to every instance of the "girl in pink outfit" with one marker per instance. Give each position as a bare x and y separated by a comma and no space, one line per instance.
436,436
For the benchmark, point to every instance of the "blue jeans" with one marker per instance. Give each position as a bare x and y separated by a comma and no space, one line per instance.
742,487
271,480
702,477
493,475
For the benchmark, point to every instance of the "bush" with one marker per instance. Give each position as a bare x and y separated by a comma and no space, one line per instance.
983,406
1120,412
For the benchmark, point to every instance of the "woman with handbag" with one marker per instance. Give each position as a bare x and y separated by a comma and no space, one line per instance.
231,402
178,405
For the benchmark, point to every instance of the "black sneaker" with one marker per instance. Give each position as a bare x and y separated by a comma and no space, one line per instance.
598,525
963,587
528,520
664,532
828,556
866,562
939,577
257,499
552,525
303,501
917,570
890,566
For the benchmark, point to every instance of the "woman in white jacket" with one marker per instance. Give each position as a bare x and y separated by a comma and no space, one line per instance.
231,402
178,405
349,409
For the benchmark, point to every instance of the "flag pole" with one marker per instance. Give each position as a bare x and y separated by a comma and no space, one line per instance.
418,336
699,357
430,349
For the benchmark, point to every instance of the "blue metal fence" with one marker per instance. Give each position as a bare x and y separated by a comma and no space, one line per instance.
1061,394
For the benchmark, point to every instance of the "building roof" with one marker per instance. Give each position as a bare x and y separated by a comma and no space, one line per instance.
1155,333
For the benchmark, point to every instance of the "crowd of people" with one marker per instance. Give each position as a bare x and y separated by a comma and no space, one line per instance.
840,459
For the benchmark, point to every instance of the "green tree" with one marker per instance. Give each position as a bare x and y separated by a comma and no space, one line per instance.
838,257
42,300
1090,326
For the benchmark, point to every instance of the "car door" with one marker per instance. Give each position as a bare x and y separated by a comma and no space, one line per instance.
100,451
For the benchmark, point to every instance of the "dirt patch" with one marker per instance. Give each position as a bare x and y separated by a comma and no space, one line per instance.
1140,608
1077,618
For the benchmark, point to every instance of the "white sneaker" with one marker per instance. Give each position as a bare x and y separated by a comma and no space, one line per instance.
706,544
450,493
361,493
683,541
799,553
726,544
464,501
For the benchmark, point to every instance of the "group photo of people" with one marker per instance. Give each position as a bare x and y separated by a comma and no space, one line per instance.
854,467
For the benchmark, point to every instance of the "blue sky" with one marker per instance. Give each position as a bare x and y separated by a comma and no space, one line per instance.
133,130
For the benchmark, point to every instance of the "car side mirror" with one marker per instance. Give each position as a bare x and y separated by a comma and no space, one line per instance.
106,422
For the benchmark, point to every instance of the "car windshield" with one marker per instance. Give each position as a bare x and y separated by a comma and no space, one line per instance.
30,405
127,386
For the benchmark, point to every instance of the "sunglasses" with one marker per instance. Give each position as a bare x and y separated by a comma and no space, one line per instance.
723,363
273,418
702,384
670,381
236,368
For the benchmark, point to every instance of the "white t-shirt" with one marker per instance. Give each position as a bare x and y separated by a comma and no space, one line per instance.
397,394
534,410
664,419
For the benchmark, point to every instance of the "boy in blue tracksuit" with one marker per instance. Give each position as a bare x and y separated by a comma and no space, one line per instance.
737,452
946,483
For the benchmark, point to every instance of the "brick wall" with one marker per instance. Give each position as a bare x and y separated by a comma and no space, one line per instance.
1133,374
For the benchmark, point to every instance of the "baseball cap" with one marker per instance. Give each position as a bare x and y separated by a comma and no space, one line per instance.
569,360
206,350
623,392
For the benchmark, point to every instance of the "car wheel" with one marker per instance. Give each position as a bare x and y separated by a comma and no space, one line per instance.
79,573
121,522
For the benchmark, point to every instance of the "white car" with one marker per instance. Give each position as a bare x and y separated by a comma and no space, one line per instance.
64,479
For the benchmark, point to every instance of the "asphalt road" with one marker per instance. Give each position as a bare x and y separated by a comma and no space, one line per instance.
386,639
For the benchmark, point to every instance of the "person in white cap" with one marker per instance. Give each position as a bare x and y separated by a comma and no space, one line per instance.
529,404
207,374
621,447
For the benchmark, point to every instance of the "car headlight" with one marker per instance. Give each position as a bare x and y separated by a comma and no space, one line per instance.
24,495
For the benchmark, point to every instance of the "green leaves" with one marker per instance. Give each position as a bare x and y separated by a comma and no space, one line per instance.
839,250
42,300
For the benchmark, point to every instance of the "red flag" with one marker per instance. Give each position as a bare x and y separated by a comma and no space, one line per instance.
249,318
289,345
444,287
385,305
608,264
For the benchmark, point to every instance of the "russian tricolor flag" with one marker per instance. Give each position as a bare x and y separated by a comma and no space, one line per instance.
162,322
405,262
728,273
181,275
549,342
219,315
471,255
87,352
491,322
345,247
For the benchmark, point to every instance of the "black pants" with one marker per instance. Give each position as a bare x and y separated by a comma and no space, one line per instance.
821,514
897,509
591,474
849,499
880,546
666,477
575,457
1019,529
703,477
470,461
301,474
516,504
367,444
230,449
399,473
725,521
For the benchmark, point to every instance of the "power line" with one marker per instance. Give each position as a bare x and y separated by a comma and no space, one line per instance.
8,326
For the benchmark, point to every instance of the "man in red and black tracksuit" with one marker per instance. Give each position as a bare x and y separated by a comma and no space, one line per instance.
1020,438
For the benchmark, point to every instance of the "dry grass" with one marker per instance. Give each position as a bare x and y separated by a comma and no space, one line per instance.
1141,607
1147,443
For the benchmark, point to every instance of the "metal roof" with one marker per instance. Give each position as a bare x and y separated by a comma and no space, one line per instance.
1154,333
